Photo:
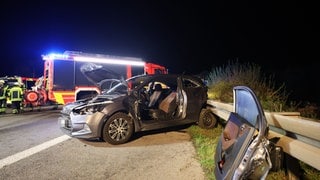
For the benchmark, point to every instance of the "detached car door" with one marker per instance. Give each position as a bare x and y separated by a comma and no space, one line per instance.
243,148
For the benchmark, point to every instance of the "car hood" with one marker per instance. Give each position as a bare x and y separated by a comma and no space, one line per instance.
97,100
100,75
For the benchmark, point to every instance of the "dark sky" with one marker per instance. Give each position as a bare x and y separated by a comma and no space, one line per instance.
184,36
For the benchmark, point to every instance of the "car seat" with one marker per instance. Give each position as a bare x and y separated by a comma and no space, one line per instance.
155,96
167,108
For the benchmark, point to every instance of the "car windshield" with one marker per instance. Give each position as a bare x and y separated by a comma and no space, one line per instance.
132,83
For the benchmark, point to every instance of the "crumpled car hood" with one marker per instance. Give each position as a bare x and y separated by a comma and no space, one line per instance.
68,108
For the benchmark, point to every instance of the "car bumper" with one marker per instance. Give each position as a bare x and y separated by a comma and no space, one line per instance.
80,126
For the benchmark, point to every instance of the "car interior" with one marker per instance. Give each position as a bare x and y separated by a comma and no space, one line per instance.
161,103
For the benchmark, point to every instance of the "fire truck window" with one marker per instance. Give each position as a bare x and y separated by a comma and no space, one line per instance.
79,78
157,71
63,75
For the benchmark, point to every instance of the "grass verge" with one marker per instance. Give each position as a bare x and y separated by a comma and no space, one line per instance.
205,141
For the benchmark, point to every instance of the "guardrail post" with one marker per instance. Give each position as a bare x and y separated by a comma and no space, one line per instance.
293,169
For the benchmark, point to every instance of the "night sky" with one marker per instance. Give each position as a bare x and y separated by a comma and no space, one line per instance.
184,36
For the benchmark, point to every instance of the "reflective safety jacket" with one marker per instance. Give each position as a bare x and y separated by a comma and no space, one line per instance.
3,91
16,94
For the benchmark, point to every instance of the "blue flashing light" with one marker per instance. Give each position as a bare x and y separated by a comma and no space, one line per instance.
55,56
96,58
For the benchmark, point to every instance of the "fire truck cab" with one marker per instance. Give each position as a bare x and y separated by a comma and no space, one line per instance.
64,80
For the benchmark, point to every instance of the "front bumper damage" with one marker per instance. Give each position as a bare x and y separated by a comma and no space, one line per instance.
81,126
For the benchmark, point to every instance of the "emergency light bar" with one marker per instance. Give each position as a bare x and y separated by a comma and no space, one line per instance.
109,61
96,58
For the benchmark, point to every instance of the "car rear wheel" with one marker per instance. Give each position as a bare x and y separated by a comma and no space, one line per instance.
118,129
207,119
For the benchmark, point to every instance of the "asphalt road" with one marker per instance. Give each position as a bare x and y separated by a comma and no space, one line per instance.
33,147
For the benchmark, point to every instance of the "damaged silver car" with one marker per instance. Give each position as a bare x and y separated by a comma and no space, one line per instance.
244,150
141,103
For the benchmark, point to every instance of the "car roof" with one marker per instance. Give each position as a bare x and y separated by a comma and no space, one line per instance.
194,77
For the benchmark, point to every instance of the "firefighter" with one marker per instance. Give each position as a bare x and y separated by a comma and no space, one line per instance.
3,97
16,96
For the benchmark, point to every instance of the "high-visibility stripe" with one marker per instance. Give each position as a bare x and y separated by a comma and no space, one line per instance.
68,98
64,97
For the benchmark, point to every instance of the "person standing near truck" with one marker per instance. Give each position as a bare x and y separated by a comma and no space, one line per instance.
3,97
16,96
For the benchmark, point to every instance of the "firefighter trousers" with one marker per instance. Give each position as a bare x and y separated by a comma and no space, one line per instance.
3,105
16,107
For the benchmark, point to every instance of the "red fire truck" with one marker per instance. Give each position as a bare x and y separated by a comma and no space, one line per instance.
63,80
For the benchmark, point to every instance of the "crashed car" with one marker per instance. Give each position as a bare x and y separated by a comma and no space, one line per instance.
244,150
141,103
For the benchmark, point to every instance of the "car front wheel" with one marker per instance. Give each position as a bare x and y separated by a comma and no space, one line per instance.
207,119
118,129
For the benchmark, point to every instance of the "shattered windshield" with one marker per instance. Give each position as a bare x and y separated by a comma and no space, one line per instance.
128,85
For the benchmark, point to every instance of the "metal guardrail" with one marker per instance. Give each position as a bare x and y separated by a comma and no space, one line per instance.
299,137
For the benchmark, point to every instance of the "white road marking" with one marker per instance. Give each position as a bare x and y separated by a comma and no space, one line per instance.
26,153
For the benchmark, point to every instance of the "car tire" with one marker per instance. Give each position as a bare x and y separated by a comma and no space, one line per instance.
207,119
118,129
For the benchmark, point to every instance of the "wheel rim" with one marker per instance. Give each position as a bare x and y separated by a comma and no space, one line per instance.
118,129
208,120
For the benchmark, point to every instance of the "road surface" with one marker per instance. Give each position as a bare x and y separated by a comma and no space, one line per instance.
33,147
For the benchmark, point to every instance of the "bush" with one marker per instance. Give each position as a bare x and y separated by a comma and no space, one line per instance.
221,81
